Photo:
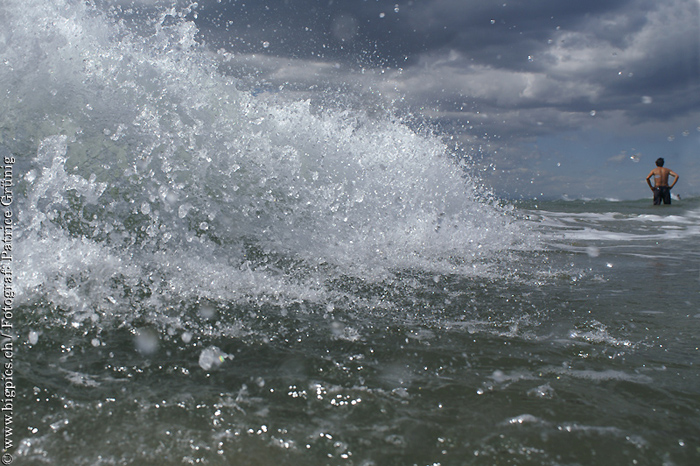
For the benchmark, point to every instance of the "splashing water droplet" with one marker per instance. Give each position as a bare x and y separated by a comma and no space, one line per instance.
147,341
212,357
183,210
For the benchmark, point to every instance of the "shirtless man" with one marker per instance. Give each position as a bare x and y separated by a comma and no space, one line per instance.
661,189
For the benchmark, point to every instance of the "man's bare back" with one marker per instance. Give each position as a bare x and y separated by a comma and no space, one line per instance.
660,175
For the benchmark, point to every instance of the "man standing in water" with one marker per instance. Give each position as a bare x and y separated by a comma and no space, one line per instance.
661,189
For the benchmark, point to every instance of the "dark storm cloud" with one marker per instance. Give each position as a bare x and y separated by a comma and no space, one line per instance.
501,34
397,32
522,54
361,32
635,56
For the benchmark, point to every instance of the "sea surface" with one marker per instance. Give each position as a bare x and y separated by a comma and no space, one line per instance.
205,274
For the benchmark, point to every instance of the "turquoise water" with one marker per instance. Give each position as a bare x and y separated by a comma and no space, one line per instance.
206,275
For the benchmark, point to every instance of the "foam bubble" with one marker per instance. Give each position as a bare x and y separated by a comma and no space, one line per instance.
212,357
147,341
33,337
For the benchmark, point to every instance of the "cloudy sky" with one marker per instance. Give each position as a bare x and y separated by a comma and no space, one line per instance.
553,98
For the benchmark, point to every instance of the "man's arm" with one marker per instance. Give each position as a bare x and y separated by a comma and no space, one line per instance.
675,178
651,173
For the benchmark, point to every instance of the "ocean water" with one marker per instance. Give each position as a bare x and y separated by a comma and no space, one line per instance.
204,274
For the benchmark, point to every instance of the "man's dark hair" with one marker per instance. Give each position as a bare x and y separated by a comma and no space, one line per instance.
660,162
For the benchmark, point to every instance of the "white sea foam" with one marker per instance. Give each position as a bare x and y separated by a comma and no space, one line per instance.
524,419
603,375
145,168
615,227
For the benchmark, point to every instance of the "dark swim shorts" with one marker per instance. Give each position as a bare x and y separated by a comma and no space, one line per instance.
662,193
